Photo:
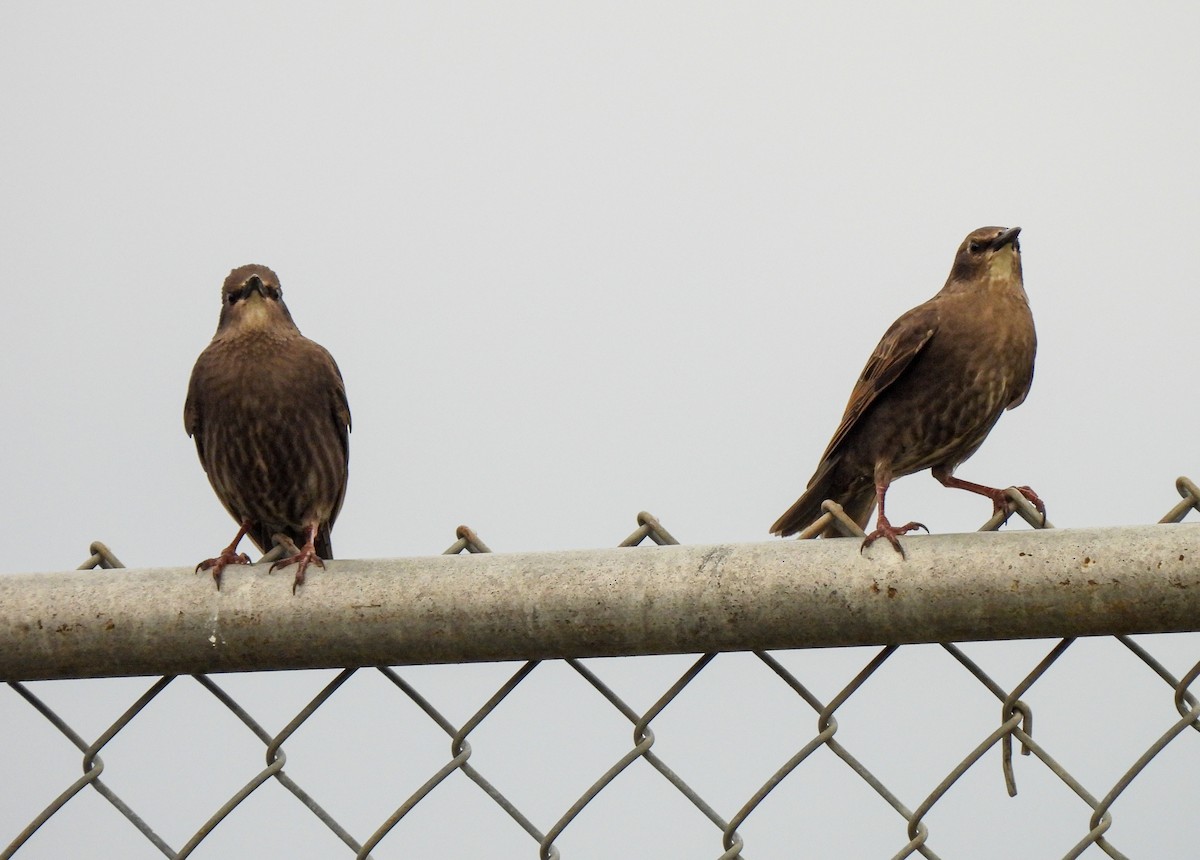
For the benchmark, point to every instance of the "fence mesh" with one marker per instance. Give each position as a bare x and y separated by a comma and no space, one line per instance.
791,751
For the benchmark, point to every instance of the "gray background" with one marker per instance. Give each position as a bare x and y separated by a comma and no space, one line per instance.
576,261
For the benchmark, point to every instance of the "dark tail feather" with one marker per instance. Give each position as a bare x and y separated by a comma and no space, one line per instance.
858,507
264,539
261,537
858,504
324,542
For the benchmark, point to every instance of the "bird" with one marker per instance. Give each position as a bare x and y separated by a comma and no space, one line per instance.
267,409
932,391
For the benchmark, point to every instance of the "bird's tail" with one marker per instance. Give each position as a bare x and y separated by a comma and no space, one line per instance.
264,538
858,502
858,506
324,542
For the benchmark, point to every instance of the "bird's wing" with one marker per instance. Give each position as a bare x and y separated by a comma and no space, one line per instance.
340,412
1022,391
897,348
191,418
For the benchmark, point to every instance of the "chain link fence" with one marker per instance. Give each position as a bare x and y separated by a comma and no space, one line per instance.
841,772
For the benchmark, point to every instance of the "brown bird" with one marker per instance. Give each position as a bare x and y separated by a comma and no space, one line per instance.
268,410
932,390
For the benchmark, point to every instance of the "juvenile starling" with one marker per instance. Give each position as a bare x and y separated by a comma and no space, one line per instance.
268,410
932,390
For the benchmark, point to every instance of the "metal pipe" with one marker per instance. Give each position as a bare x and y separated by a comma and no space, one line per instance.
645,600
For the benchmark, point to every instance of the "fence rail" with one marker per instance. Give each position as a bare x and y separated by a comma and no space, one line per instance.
608,602
651,600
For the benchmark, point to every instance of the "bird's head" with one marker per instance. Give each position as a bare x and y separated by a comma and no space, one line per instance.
252,298
989,254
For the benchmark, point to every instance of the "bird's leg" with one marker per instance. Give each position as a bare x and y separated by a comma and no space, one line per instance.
1000,501
229,555
306,556
883,528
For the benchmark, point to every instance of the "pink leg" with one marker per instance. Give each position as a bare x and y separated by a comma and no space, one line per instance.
883,528
1000,502
306,556
229,555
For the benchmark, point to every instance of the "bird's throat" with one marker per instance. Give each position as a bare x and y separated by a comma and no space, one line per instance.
255,313
1004,265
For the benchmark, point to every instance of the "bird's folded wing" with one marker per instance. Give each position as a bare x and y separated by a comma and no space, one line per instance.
893,355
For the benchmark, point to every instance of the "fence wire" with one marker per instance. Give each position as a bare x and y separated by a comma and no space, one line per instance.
1014,729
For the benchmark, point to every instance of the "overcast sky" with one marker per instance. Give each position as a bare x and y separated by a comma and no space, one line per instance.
577,261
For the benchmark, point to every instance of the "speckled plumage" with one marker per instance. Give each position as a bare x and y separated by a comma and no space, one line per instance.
267,409
933,388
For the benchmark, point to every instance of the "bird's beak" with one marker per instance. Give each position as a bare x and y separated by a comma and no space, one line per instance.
255,285
1009,235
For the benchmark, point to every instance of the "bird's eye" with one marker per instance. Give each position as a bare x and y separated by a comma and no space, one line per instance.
975,247
231,298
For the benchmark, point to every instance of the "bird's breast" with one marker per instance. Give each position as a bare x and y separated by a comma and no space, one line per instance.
950,397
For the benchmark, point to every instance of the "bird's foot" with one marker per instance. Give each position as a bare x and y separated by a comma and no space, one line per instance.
1002,504
1035,500
885,529
304,558
228,556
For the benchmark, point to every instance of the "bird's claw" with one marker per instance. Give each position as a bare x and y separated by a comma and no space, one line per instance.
1002,504
304,558
218,564
887,530
1035,500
